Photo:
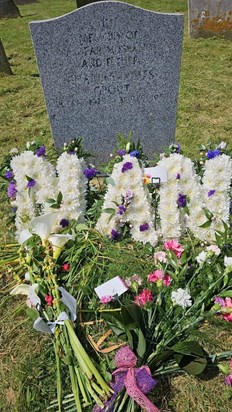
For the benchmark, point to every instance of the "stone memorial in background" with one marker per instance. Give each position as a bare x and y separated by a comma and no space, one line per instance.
8,9
4,64
210,18
23,2
81,3
110,68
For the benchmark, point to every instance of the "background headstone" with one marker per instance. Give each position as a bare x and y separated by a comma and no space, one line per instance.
8,9
210,18
4,64
110,67
81,3
23,2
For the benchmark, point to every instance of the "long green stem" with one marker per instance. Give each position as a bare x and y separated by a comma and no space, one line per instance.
75,388
59,383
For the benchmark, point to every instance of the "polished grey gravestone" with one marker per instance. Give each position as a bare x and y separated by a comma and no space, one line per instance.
110,68
4,64
8,9
210,18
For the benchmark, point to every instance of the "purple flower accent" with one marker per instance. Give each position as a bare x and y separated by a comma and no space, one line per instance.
121,152
182,200
213,153
90,172
11,190
220,301
129,195
121,210
64,222
127,166
135,153
228,380
178,176
211,192
14,209
9,174
31,183
40,152
144,227
115,235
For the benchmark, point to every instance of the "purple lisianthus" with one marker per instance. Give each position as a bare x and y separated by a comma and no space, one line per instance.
121,209
228,380
121,152
11,190
90,172
211,192
182,200
115,235
213,153
134,153
127,166
64,222
144,227
40,152
9,174
178,176
31,183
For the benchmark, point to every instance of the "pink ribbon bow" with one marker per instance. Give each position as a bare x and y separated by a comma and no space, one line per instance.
137,381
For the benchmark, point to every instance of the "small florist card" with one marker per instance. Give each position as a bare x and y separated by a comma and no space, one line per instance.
157,172
112,287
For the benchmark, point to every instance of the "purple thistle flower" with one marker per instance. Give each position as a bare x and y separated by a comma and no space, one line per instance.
64,222
135,153
115,235
144,227
90,173
121,152
9,174
121,210
31,183
127,166
211,192
11,190
40,152
182,200
178,176
213,153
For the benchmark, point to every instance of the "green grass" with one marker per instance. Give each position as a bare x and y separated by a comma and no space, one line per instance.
204,113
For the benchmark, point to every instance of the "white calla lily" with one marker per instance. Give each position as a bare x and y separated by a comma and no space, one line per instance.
24,289
24,235
42,225
58,242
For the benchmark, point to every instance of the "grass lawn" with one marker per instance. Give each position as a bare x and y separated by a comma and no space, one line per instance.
27,372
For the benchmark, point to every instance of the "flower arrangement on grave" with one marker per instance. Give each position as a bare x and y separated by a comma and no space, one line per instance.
66,226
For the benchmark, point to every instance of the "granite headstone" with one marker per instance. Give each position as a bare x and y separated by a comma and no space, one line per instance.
4,64
24,2
8,9
110,68
210,18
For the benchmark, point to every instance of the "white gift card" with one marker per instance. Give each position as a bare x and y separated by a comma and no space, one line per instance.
157,172
112,287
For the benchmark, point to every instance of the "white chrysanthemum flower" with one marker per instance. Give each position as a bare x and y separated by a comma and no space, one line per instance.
182,298
227,261
201,258
128,178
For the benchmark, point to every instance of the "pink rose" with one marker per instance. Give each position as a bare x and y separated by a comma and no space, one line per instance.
175,247
167,280
144,297
160,257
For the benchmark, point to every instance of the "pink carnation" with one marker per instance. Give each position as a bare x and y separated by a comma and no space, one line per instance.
158,275
106,299
228,308
144,297
175,247
160,257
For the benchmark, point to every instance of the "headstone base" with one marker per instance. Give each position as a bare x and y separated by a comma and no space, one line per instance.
8,9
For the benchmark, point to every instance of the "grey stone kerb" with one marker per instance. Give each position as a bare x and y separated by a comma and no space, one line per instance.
109,68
